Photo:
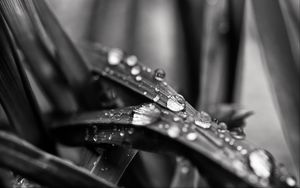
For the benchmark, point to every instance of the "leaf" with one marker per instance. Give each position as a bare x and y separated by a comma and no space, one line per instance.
16,95
27,160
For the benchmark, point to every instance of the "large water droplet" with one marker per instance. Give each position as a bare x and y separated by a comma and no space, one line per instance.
145,115
261,163
159,74
173,131
131,60
176,103
114,56
135,70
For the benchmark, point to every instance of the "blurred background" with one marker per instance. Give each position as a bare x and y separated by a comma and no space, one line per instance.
215,53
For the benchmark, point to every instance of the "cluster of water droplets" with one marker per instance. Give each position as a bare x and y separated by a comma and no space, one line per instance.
260,162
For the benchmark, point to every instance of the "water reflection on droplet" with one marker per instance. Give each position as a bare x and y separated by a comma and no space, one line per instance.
122,134
159,74
176,103
114,56
261,163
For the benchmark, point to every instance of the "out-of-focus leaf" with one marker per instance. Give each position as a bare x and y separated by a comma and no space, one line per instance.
25,159
16,95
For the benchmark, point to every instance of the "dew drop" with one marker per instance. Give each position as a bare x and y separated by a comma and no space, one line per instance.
201,124
114,56
135,70
95,138
159,75
173,131
192,136
138,78
146,114
156,89
156,98
244,152
130,131
290,181
260,162
176,103
131,60
122,134
184,169
222,127
203,120
145,93
148,70
238,133
176,118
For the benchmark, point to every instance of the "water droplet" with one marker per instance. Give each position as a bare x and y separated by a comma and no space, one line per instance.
238,133
122,134
156,89
261,163
138,78
201,124
184,129
176,118
222,127
239,147
114,56
291,181
183,114
184,169
176,103
148,70
135,70
145,115
131,60
192,136
95,138
130,131
227,139
203,120
244,152
145,93
156,98
173,131
159,75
